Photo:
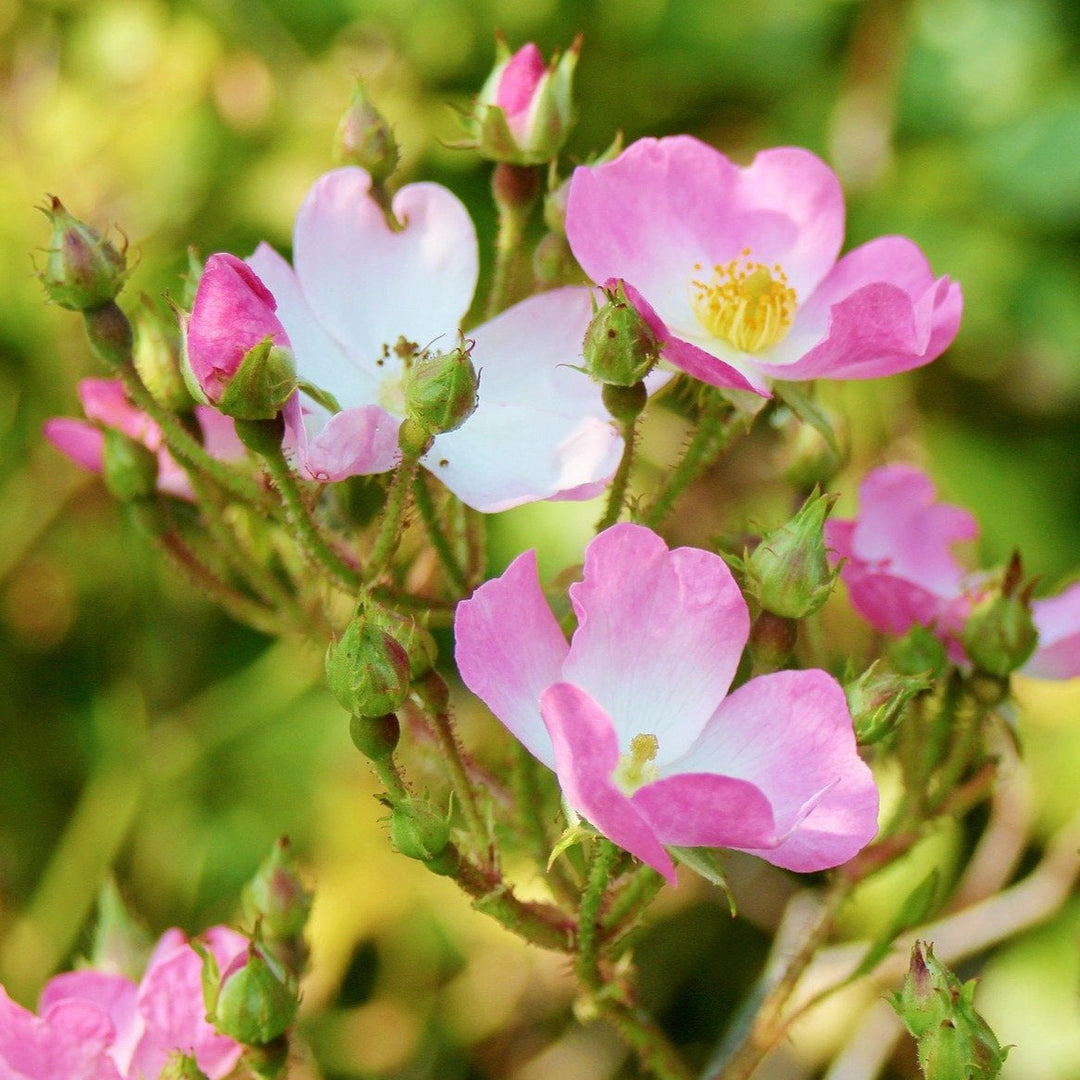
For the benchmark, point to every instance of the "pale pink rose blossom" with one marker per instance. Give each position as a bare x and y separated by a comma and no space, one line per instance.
360,288
94,1025
900,571
635,717
106,405
736,267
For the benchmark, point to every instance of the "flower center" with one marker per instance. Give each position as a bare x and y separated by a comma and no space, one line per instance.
635,768
747,304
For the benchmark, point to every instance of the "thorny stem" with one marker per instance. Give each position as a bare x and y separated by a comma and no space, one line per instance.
620,481
393,520
711,435
515,188
437,535
605,855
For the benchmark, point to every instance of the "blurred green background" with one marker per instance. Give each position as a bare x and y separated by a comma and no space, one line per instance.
143,731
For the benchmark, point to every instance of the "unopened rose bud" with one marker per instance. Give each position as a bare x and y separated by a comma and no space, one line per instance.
120,945
367,669
129,468
620,348
237,356
276,898
83,270
179,1066
525,109
415,639
877,699
422,833
440,390
1000,635
788,572
253,1000
364,138
919,652
156,353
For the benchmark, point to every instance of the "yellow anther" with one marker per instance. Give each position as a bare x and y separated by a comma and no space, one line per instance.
634,769
747,304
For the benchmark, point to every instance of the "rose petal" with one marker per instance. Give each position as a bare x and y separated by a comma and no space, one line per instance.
509,649
355,442
586,753
1058,621
790,735
659,636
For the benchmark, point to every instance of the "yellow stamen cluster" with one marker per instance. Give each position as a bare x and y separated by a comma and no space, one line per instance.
747,304
634,769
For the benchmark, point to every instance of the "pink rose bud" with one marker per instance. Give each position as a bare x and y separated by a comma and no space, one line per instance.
364,138
237,356
524,110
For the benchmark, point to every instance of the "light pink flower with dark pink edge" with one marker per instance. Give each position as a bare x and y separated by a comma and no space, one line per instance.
634,714
107,406
736,267
93,1025
901,571
359,293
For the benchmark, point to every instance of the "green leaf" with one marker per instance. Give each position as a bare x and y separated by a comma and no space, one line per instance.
703,861
802,405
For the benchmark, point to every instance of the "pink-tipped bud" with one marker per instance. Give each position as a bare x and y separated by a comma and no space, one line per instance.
83,270
237,356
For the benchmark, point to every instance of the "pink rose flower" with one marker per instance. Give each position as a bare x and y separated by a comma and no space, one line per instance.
736,268
635,717
93,1025
106,405
361,293
900,571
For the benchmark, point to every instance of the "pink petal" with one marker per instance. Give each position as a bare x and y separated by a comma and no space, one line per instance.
540,429
510,649
367,284
586,754
104,401
71,1042
351,375
356,442
520,77
233,311
665,206
659,636
790,735
78,440
706,810
1058,622
880,311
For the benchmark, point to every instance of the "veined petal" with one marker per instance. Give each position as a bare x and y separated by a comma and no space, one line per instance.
659,636
354,442
586,754
509,649
790,735
351,376
707,810
367,284
879,311
1057,619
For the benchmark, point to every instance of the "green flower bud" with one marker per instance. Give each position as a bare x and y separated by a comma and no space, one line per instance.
1000,635
179,1066
364,138
440,390
919,652
254,999
367,669
264,381
156,353
129,468
276,898
788,572
877,699
620,347
83,269
415,639
420,832
119,942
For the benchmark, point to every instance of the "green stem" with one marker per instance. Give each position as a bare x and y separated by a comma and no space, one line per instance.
437,535
434,697
515,188
604,858
620,481
393,521
653,1048
630,903
713,432
318,547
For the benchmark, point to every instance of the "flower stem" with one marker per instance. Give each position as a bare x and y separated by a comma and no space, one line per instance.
605,856
515,188
713,432
620,481
393,522
439,540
